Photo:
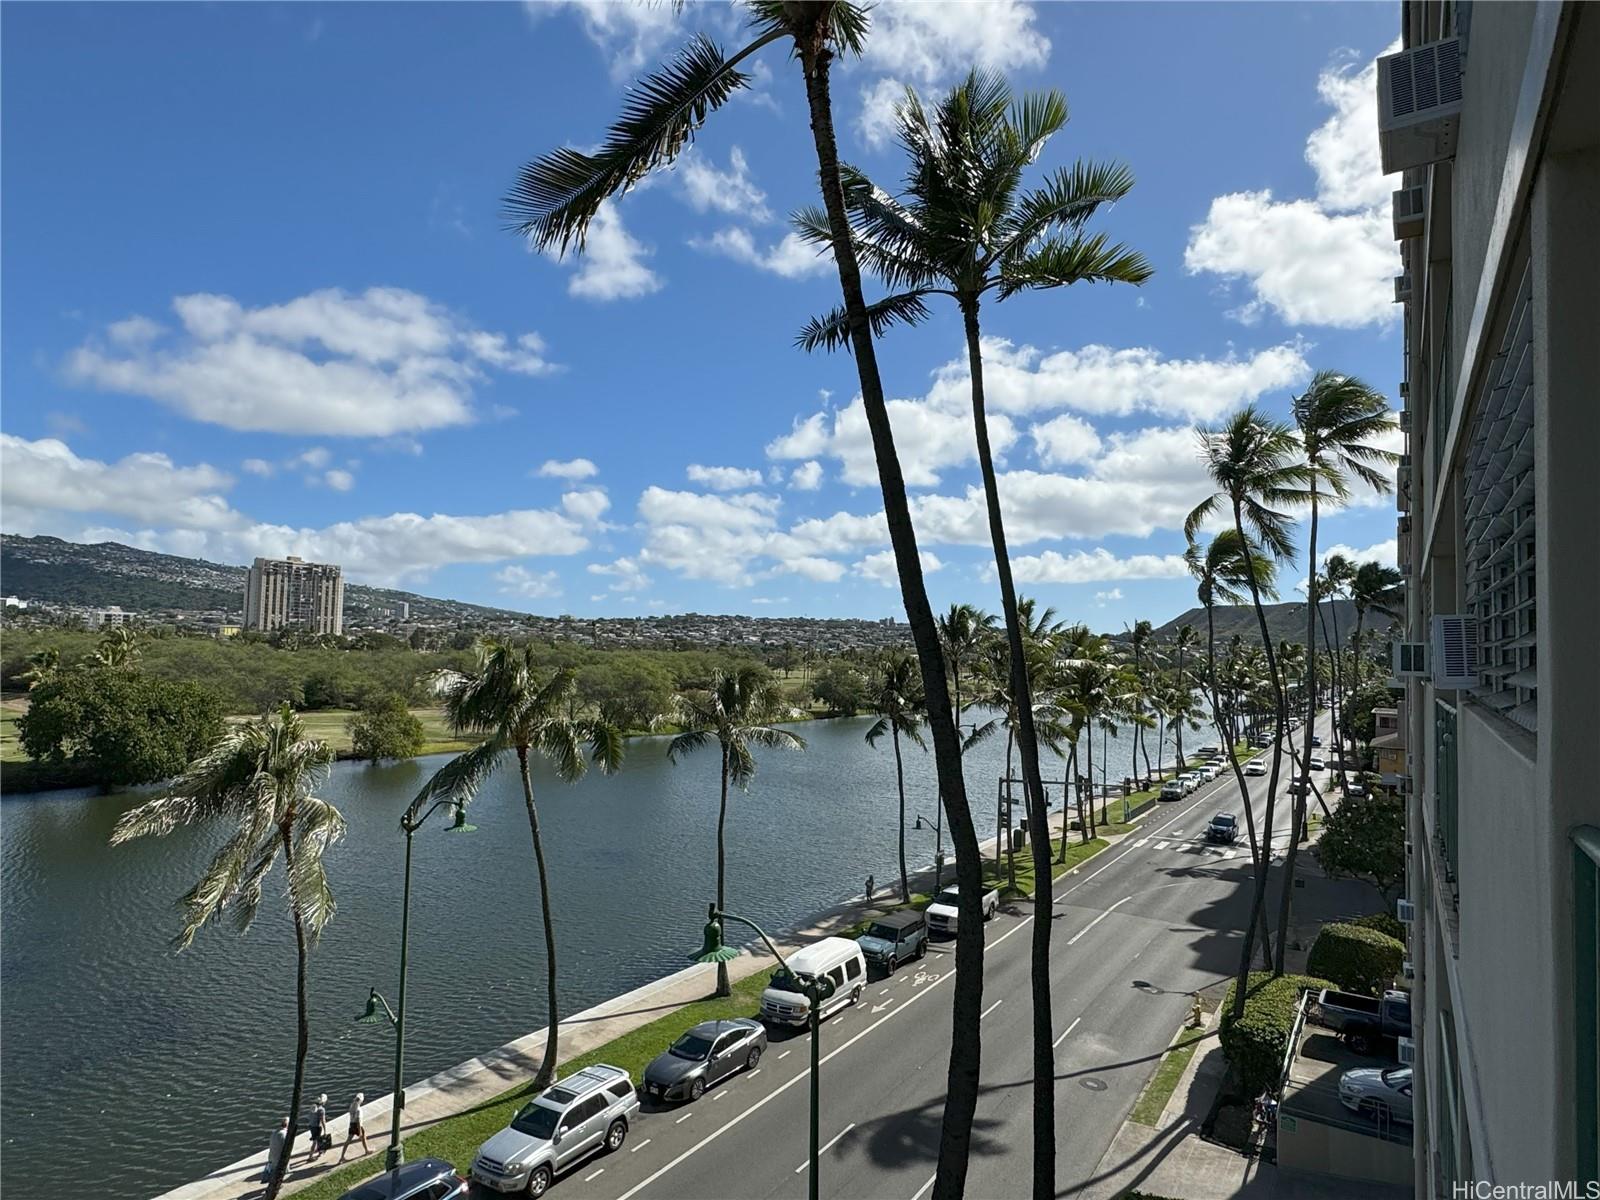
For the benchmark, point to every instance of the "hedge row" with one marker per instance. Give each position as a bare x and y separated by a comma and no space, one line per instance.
1357,958
1383,922
1255,1043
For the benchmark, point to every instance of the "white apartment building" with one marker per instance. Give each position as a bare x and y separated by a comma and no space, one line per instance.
1492,110
290,593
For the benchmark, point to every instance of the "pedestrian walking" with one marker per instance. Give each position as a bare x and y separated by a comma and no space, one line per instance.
870,888
274,1149
356,1131
319,1128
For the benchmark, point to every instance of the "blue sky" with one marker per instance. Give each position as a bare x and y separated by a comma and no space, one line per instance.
260,300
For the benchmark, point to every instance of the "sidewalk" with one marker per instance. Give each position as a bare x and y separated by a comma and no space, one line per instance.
482,1079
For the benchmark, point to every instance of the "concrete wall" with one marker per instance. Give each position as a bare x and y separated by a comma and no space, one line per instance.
1343,1153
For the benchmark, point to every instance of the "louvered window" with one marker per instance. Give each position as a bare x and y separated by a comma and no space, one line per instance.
1499,524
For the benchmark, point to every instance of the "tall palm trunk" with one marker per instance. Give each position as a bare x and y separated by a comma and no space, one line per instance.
961,1093
1258,902
1335,701
900,779
1088,763
547,1065
302,1022
723,987
1069,789
1297,804
1044,1075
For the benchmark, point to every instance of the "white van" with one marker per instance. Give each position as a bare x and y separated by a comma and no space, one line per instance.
837,959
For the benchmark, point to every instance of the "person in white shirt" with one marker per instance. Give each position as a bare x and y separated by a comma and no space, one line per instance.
356,1131
274,1149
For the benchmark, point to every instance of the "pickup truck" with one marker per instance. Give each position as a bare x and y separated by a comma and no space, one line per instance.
943,912
1364,1021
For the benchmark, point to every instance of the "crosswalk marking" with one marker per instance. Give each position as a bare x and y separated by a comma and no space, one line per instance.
1162,845
1142,842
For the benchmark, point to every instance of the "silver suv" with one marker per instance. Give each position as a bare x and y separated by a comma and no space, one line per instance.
562,1126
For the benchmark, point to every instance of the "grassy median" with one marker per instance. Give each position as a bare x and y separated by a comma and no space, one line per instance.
1165,1081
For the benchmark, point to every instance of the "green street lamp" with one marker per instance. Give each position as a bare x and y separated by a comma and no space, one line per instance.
714,950
378,1010
922,822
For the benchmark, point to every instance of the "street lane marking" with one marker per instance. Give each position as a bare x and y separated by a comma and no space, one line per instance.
823,1149
785,1055
789,1083
641,1145
754,1073
990,1009
1073,940
918,1193
1162,845
1063,1037
596,1175
1142,842
684,1118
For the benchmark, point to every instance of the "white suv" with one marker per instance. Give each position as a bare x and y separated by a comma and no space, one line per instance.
559,1128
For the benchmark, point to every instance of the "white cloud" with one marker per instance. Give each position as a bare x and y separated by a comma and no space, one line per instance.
611,265
1113,594
1323,261
792,257
586,506
384,362
1065,439
258,466
724,479
315,458
632,32
818,570
1102,380
339,481
807,477
1384,552
519,581
572,468
880,567
750,510
733,191
879,102
929,42
1096,566
46,476
627,572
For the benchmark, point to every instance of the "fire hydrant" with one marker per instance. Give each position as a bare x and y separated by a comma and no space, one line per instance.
1196,1015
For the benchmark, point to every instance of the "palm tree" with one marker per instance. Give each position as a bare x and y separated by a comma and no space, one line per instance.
898,700
257,782
1139,635
552,205
734,713
517,706
1338,573
1226,570
1374,588
1184,644
119,649
43,666
1338,417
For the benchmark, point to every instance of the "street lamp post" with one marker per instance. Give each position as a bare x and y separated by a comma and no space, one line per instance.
922,822
713,949
396,1017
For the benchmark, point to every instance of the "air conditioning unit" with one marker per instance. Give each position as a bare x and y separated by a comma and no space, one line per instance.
1402,288
1408,969
1408,213
1419,105
1405,1051
1405,911
1402,484
1404,417
1410,660
1455,651
1405,389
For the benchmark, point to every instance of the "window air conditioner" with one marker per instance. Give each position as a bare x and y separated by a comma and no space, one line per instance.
1406,1051
1455,651
1408,213
1404,417
1410,660
1419,105
1402,288
1405,911
1408,969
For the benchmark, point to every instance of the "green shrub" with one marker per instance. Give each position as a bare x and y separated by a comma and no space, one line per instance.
1256,1042
1383,922
1355,957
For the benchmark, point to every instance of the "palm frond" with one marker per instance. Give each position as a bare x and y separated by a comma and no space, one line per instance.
831,331
318,825
461,778
1061,262
1066,199
687,742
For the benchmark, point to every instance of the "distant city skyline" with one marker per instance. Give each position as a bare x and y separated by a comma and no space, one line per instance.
315,338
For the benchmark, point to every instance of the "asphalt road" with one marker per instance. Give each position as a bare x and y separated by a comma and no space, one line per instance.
1137,930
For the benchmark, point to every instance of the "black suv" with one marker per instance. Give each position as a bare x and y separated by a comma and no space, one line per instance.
1224,827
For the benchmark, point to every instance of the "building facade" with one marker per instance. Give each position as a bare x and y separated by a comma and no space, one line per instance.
1499,539
290,593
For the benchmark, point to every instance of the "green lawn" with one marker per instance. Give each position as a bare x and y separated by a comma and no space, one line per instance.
329,724
1165,1081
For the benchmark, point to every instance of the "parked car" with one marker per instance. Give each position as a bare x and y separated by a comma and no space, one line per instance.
425,1179
1255,767
1317,764
1173,789
1316,739
1208,752
563,1125
705,1055
836,961
1196,780
896,938
1262,742
1382,1092
1355,787
942,911
1224,828
1364,1021
1299,787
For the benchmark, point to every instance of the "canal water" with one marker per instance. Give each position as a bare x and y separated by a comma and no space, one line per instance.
130,1069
